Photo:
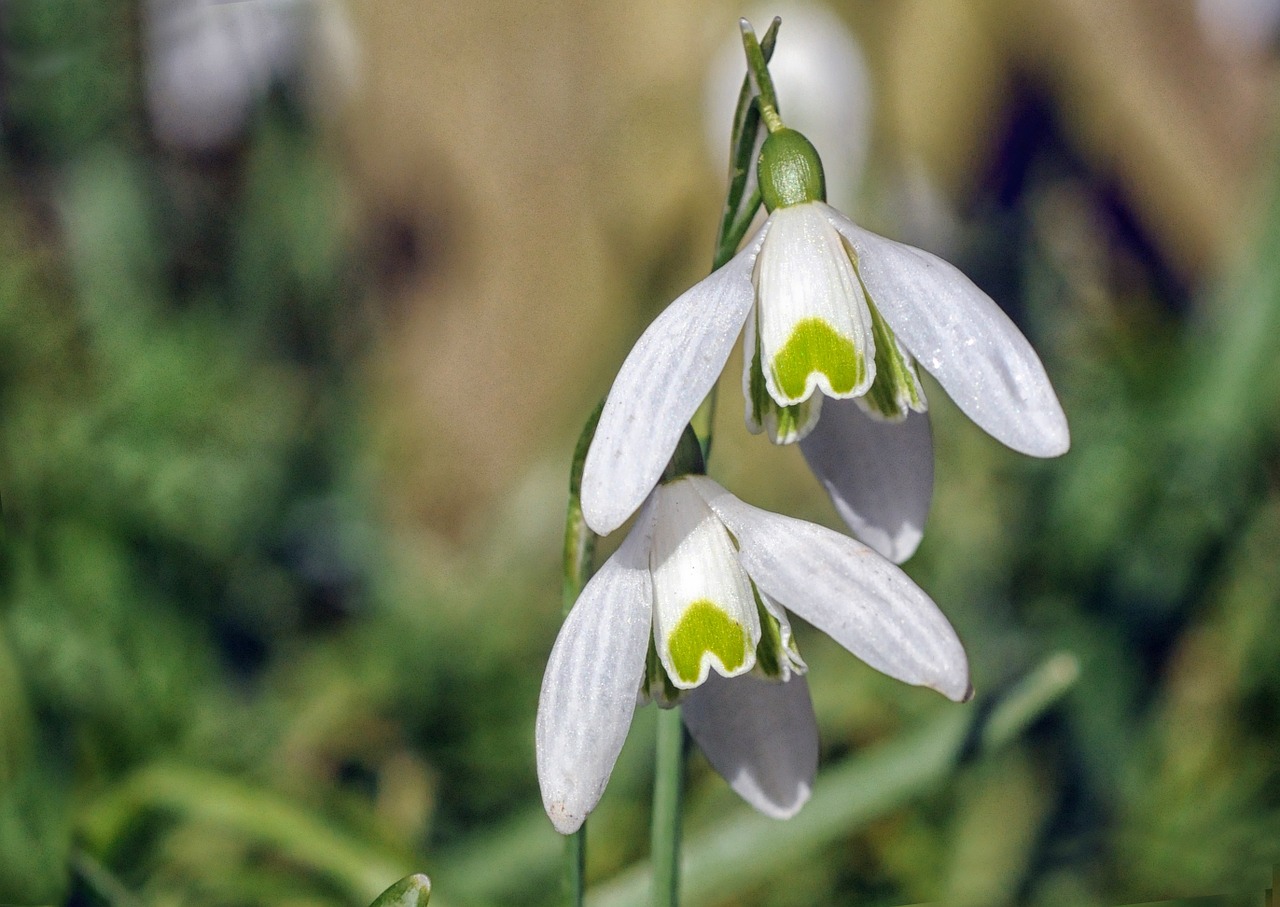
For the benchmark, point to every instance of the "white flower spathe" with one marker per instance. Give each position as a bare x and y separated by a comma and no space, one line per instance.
685,580
824,303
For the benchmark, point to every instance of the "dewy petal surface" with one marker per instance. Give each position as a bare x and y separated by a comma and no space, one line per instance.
760,735
659,387
589,688
958,334
704,614
879,474
847,591
815,330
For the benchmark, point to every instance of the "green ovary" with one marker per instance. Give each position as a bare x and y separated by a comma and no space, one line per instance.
814,346
705,628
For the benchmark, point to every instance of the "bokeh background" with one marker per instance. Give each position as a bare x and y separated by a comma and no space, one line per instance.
302,305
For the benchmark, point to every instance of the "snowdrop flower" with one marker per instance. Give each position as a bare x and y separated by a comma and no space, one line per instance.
833,313
208,62
691,607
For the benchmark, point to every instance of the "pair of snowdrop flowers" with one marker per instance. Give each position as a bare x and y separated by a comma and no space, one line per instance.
693,605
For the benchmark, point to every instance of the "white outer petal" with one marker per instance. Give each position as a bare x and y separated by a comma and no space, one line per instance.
659,387
849,592
960,336
760,735
879,474
804,272
589,688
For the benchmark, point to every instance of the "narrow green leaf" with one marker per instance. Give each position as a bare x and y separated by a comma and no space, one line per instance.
360,868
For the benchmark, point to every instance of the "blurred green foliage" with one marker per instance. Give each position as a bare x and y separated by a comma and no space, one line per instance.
222,681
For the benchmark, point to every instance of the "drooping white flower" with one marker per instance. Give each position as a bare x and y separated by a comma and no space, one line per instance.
830,311
702,581
208,62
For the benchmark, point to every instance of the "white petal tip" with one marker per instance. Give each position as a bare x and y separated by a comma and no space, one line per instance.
1047,435
955,689
566,821
602,513
1045,448
905,546
783,811
601,523
896,547
1056,446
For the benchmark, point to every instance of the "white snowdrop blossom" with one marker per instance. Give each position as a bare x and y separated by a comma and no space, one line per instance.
693,606
208,62
831,311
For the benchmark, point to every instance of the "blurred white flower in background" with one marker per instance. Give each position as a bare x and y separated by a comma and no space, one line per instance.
823,87
1245,27
208,62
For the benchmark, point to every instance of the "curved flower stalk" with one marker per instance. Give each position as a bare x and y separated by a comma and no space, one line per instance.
693,607
828,312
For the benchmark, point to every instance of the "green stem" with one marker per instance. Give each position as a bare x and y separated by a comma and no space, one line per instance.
736,217
575,866
668,793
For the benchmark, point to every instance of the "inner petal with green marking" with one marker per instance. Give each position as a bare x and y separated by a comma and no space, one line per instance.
815,348
706,630
783,424
704,613
811,314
